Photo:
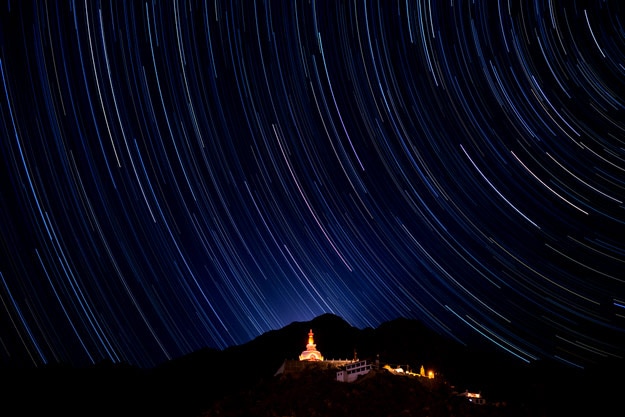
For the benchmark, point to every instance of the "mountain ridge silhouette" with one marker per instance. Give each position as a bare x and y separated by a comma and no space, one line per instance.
187,385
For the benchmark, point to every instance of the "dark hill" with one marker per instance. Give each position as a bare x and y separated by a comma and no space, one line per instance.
209,380
316,392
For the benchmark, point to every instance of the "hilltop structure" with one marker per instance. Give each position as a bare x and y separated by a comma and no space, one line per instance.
310,357
348,370
351,371
311,353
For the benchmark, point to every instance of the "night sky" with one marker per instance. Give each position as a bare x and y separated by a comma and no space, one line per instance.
183,174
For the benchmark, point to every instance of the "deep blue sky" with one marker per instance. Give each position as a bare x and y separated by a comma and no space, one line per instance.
177,175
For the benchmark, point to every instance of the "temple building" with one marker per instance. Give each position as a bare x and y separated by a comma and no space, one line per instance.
311,353
347,370
310,358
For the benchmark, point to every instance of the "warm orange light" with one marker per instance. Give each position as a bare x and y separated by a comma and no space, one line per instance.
431,374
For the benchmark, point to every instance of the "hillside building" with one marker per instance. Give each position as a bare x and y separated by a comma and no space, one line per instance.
473,397
353,370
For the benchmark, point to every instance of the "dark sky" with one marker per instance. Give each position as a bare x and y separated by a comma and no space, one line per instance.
186,174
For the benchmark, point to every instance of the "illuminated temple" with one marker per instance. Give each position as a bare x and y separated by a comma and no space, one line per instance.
310,358
347,370
311,353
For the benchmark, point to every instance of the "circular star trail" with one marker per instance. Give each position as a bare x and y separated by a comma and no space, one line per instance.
186,174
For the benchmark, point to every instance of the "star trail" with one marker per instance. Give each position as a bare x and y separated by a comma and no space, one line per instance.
185,174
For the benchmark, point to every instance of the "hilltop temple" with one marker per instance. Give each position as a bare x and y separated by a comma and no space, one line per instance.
310,358
347,370
311,353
